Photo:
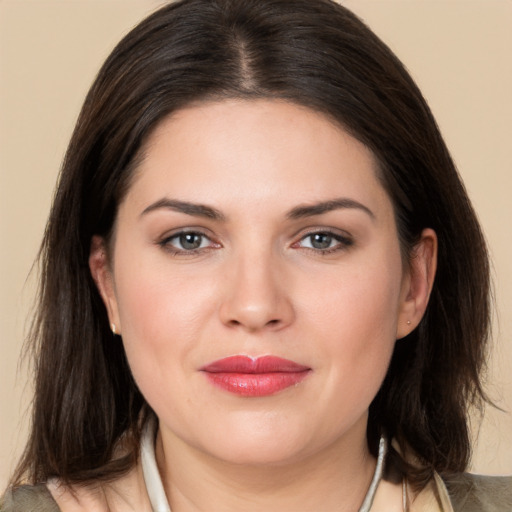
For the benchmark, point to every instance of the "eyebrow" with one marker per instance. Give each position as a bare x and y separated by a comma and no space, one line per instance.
300,212
197,210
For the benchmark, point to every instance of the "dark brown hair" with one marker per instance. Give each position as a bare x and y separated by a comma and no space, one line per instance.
311,52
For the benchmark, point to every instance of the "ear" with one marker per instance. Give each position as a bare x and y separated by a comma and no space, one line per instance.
101,272
417,283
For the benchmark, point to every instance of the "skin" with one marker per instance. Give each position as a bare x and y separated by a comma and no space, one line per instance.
260,284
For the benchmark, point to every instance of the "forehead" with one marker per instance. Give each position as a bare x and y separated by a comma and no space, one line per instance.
254,151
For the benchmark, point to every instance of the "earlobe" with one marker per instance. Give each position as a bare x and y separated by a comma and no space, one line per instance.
99,266
418,283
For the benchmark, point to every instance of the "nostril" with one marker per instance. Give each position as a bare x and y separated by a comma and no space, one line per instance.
270,323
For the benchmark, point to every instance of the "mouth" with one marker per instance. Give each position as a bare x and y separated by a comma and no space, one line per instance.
254,377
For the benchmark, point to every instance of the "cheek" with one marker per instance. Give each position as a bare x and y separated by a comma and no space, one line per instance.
356,335
356,315
160,328
162,316
156,302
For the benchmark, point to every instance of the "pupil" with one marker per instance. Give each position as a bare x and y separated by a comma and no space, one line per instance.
321,241
190,241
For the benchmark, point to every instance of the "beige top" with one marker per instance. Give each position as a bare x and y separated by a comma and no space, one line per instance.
129,494
469,493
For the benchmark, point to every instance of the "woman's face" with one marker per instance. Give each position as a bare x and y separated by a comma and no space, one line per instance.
256,229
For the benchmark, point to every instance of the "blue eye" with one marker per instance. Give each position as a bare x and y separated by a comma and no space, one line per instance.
320,241
324,241
190,241
187,241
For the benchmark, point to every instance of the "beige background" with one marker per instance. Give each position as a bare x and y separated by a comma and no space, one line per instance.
458,50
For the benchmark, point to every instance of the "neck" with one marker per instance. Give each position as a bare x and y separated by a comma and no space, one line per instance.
334,478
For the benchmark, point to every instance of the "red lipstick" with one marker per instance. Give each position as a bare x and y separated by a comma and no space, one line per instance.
263,376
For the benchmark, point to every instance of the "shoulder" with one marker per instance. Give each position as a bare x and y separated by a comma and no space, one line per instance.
28,498
479,493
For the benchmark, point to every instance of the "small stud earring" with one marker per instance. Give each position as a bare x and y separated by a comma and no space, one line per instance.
113,328
408,322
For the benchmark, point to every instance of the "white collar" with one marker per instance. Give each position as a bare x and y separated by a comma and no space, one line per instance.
155,487
150,471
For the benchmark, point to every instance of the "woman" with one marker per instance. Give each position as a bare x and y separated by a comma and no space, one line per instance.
252,293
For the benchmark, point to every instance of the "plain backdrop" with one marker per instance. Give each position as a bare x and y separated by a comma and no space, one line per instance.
457,50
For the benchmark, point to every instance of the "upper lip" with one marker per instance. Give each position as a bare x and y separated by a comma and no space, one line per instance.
246,364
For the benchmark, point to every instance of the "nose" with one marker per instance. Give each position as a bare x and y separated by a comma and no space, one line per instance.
257,296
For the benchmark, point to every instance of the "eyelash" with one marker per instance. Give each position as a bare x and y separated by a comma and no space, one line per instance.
343,243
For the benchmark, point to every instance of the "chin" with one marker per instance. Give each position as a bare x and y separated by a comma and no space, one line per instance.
259,443
258,454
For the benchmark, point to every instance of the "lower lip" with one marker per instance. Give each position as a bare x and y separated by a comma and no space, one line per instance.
256,384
